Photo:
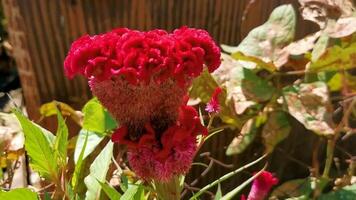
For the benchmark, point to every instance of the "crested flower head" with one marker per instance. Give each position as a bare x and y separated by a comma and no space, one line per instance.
142,78
141,57
262,185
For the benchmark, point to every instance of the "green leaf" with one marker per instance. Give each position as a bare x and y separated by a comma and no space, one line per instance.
332,78
235,191
93,140
19,194
224,76
38,148
345,193
300,188
130,192
47,196
49,109
96,118
265,41
48,135
275,130
310,104
252,87
109,191
61,141
268,65
244,139
335,58
226,176
140,194
79,163
70,192
229,49
320,47
98,170
218,193
124,184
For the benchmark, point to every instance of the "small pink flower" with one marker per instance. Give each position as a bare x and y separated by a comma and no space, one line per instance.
261,186
213,106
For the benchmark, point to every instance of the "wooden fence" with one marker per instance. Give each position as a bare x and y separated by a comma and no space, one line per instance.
41,32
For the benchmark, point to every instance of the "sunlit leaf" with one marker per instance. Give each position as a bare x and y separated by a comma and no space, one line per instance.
61,141
93,141
109,191
229,49
342,27
335,58
218,193
38,148
79,163
96,118
268,65
320,47
10,155
50,109
253,87
303,45
310,105
124,184
131,192
140,194
267,40
275,130
98,170
336,17
19,194
332,79
224,76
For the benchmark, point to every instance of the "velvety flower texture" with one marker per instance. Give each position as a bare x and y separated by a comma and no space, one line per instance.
261,186
141,78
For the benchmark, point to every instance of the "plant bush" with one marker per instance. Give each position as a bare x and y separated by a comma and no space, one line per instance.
140,80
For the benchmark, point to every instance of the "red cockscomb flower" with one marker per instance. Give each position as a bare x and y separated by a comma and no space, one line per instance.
148,56
141,78
261,186
170,155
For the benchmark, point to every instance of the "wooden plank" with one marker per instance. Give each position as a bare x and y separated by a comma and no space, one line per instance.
19,40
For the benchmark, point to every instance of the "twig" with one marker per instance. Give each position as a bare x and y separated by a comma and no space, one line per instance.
293,159
207,155
197,189
45,187
332,141
315,160
196,180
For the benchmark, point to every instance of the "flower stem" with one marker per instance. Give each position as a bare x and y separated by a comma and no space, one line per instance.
170,190
329,157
